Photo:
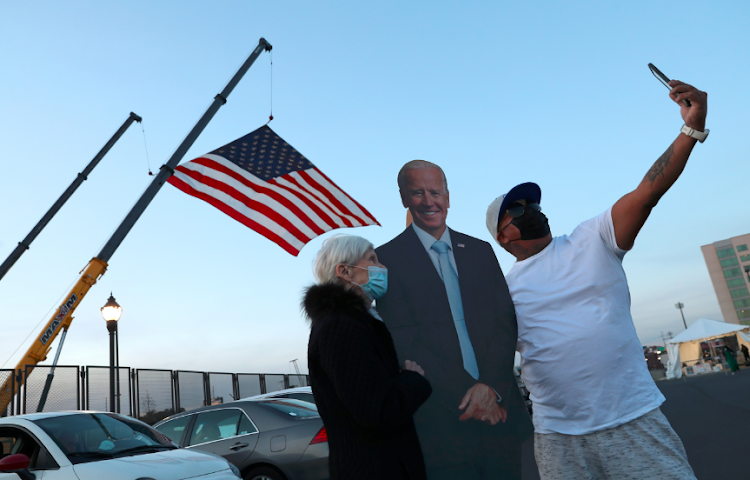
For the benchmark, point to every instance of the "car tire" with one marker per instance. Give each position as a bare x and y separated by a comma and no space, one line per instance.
264,473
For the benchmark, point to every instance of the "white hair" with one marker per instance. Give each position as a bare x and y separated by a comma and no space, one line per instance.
341,248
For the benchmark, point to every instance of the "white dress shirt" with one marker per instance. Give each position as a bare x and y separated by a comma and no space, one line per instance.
427,241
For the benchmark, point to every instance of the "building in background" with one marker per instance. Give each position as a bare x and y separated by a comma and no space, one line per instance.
728,263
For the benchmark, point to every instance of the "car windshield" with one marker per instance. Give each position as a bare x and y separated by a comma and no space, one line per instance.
292,407
88,437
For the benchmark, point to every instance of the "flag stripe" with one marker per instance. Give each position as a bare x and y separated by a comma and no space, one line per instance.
250,181
332,198
312,202
312,207
233,213
302,183
236,201
289,183
267,185
361,208
340,197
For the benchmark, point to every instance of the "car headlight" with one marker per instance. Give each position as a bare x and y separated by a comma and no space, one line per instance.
235,470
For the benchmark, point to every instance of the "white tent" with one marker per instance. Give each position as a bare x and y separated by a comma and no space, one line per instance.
686,346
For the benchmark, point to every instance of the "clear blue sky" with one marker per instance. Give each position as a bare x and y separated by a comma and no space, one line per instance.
497,93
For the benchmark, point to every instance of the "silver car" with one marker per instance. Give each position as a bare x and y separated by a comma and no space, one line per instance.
300,393
267,439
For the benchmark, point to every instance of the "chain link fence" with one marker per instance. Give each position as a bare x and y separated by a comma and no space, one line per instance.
7,392
297,381
97,381
249,384
191,390
147,394
155,393
221,388
64,391
275,382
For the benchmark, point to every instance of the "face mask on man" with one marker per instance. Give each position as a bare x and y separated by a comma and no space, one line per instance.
377,285
532,224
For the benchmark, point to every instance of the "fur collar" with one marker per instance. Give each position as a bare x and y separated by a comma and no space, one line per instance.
320,300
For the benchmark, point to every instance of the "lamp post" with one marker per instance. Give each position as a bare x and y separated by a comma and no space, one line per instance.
679,306
747,270
111,312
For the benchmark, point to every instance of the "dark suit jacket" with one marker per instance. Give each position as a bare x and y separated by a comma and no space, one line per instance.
366,402
418,315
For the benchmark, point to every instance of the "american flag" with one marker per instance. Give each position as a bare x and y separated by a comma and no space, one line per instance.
264,183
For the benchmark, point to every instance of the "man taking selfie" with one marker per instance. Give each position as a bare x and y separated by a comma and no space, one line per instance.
598,419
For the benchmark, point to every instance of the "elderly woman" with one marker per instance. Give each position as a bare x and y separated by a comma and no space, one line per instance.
365,400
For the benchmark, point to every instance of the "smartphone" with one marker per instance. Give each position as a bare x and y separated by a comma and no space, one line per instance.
663,79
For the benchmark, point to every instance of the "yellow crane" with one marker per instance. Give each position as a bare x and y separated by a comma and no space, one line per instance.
39,349
63,317
60,321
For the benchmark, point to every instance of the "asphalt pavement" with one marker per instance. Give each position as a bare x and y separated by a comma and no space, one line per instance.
711,414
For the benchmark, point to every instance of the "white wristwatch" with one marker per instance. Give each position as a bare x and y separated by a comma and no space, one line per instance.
691,132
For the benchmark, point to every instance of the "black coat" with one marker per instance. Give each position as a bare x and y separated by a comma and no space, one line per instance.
365,400
417,312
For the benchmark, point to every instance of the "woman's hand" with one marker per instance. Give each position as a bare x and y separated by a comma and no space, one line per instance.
409,365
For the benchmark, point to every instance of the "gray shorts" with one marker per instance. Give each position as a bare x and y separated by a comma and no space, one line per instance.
646,447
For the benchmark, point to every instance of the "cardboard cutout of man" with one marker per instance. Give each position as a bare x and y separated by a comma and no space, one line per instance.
596,419
448,308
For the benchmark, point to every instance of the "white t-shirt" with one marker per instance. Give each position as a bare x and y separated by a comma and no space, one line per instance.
580,356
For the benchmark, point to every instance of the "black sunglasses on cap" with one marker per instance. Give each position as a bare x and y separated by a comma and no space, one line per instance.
517,209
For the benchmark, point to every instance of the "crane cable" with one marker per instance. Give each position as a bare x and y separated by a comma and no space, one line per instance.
270,117
145,145
45,317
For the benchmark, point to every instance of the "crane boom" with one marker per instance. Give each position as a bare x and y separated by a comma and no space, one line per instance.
98,265
26,243
60,320
296,367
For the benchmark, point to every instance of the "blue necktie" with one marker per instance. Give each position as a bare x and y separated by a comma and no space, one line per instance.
450,278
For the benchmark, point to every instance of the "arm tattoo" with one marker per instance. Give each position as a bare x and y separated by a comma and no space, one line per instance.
657,169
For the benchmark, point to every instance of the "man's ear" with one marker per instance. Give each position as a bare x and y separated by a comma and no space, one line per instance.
501,236
506,243
403,200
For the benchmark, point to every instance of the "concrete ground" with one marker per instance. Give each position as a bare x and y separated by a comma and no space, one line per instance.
711,414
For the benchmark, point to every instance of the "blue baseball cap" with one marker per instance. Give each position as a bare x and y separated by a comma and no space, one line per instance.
526,191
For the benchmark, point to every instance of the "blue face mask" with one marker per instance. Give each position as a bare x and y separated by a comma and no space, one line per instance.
377,284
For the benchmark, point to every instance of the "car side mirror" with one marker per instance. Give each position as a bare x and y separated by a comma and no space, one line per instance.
18,464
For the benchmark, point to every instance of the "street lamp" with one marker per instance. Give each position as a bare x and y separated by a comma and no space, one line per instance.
111,312
680,305
747,270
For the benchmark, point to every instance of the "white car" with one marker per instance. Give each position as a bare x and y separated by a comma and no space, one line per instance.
88,445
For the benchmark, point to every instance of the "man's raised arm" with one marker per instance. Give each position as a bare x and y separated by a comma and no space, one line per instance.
631,211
